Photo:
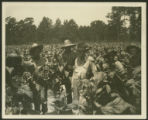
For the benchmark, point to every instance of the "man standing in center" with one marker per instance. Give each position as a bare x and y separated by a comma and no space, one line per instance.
68,58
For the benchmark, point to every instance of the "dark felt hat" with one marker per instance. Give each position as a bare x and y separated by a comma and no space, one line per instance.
35,47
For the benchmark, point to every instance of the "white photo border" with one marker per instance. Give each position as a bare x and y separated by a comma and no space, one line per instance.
143,66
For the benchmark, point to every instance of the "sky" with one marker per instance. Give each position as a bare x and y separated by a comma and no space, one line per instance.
82,13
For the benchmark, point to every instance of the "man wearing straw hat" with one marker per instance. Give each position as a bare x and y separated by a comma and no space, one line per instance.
68,58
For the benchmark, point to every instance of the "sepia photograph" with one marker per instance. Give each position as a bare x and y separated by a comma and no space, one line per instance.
72,60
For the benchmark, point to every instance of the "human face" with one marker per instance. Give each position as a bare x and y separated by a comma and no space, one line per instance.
68,49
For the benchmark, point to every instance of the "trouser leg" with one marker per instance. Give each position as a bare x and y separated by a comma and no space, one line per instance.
68,91
44,99
37,103
36,97
44,108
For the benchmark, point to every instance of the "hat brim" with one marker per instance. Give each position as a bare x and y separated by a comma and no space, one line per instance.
70,45
33,49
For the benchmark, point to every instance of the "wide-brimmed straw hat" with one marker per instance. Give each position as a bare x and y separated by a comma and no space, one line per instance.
67,43
35,47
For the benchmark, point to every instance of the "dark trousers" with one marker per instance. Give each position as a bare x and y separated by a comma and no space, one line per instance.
38,101
68,90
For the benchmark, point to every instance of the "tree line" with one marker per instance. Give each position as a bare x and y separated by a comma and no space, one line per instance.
124,24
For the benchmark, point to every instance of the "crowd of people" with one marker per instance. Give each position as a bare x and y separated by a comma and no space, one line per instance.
73,79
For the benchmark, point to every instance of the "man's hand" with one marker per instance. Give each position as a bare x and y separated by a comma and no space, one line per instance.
66,73
61,68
